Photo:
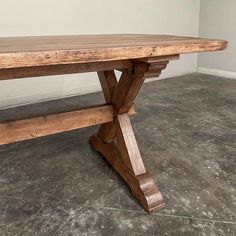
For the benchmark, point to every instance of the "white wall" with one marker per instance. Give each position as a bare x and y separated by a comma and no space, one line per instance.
58,17
218,20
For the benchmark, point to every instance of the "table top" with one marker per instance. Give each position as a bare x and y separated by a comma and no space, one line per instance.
52,50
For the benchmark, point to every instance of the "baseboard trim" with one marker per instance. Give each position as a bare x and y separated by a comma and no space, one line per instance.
222,73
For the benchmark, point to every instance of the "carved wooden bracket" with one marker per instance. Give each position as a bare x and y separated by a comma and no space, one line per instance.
155,65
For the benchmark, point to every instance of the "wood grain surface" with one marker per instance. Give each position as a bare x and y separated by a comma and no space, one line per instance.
14,131
53,50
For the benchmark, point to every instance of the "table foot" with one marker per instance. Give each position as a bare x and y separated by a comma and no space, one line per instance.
142,184
116,141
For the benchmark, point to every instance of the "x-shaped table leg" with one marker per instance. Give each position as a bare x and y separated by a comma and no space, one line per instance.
116,140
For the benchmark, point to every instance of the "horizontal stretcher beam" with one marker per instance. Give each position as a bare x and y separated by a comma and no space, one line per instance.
25,129
37,71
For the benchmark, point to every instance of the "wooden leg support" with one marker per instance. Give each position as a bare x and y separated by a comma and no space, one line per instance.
123,154
116,141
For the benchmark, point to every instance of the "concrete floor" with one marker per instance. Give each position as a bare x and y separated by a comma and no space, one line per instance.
186,130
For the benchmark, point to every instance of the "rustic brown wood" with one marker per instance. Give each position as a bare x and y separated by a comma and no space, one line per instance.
128,146
36,71
138,57
155,69
53,50
116,140
131,82
123,86
142,186
108,83
160,58
14,131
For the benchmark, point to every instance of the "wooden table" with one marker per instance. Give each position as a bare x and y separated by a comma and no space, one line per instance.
138,57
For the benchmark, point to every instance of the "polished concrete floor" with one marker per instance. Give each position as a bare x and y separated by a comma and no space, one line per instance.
186,130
